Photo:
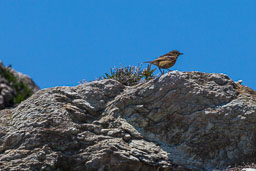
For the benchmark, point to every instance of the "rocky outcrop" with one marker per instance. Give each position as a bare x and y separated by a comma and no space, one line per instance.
12,84
25,79
180,121
6,93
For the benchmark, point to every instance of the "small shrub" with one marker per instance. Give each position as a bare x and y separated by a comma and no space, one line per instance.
23,92
130,75
148,73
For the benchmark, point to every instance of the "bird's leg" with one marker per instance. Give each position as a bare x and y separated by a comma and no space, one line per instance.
160,71
169,70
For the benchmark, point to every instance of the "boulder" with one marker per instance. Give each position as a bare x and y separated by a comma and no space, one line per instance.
179,121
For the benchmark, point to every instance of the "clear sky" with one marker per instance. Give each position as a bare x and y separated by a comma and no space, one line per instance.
61,42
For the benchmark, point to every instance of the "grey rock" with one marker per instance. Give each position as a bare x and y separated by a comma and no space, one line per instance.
180,121
7,93
26,79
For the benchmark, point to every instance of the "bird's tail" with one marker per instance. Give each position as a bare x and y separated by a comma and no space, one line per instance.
148,62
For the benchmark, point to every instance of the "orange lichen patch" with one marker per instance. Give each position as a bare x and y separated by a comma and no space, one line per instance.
243,89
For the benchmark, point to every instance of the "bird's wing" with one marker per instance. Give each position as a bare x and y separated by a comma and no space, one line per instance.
161,58
171,58
168,56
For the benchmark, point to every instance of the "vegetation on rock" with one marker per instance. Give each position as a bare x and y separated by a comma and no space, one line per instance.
22,90
130,75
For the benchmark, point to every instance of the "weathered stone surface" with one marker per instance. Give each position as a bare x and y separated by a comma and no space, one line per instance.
180,121
26,79
6,93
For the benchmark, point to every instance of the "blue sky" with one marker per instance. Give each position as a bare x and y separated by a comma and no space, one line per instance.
60,42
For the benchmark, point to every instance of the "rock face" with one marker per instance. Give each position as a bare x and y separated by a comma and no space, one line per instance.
26,79
180,121
7,89
7,93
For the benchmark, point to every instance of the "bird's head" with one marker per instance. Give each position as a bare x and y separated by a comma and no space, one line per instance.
175,53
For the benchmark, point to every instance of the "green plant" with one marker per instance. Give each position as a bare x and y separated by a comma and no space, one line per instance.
130,75
148,73
22,90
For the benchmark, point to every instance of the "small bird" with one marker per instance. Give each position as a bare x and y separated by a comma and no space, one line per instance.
166,61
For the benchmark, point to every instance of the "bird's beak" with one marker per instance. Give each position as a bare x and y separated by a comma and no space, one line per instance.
181,53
